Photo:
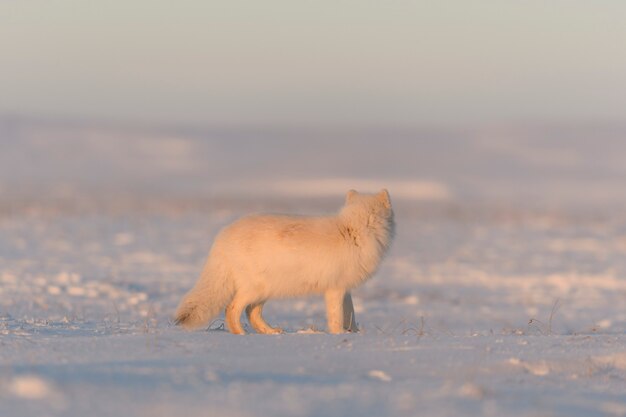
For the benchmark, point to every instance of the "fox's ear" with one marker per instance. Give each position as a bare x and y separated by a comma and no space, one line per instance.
383,196
350,195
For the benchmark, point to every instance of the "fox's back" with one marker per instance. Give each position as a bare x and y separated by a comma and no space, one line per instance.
285,255
281,233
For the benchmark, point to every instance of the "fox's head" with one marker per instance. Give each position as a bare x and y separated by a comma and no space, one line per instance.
373,211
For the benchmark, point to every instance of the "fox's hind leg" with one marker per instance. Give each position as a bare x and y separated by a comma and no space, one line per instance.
253,311
233,313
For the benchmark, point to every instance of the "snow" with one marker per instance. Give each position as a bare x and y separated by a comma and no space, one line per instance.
506,297
29,387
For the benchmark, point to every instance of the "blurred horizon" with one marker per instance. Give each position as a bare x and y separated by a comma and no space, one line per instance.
540,166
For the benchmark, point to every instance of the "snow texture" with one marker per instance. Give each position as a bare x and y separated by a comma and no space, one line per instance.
503,293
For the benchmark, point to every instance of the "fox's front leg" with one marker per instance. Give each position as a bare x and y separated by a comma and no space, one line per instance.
349,319
335,309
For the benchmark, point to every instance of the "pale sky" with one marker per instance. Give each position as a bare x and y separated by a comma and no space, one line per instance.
315,63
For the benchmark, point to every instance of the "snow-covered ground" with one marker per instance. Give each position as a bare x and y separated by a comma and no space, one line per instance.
504,293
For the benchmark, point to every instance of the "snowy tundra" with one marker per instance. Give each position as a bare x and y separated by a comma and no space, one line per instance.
502,295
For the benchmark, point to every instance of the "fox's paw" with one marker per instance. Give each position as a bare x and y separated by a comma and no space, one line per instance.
339,330
272,330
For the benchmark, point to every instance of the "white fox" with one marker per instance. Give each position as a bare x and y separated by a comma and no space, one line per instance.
272,256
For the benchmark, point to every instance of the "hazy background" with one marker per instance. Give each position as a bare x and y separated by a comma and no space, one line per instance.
493,101
315,63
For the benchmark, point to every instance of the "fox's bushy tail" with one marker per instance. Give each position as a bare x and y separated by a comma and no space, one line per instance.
205,300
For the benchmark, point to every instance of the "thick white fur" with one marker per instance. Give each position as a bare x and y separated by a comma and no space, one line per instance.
269,256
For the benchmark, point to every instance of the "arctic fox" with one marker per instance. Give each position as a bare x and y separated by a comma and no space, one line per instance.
273,256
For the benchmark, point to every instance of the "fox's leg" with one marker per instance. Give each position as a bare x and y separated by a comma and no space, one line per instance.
334,309
233,313
253,311
349,319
